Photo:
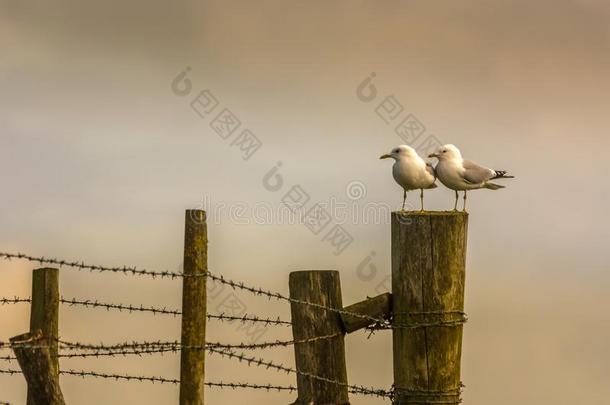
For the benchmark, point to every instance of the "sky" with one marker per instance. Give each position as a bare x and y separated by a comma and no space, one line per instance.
103,145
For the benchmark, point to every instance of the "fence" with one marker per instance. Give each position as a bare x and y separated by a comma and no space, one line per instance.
424,313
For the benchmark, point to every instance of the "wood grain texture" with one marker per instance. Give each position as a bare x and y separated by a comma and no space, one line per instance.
378,307
44,312
38,367
192,361
325,358
428,276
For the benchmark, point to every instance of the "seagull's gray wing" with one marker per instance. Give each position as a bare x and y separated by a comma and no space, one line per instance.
430,169
476,174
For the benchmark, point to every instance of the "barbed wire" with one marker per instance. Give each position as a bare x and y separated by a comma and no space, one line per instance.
108,353
426,396
154,310
379,323
173,275
146,348
95,268
176,346
140,348
250,360
163,380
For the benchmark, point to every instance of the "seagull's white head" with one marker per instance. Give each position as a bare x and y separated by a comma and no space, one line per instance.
447,152
401,152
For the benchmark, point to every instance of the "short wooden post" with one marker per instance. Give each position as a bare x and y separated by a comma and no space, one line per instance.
44,312
325,357
428,273
192,360
39,368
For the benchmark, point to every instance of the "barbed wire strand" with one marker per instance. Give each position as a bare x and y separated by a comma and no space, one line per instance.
154,310
178,346
144,348
141,348
163,380
249,360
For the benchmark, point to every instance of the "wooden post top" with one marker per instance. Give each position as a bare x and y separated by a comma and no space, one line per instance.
430,213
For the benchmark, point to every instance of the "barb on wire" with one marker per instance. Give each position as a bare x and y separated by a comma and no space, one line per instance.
14,300
163,380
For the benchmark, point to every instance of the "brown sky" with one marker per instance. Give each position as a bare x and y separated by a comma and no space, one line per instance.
99,159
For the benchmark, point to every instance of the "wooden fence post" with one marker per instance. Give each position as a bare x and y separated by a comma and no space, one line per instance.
39,368
428,274
192,360
325,357
44,313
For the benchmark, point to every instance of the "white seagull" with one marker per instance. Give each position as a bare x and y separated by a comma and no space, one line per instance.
459,174
411,172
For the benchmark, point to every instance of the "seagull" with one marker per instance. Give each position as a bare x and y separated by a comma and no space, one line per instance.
411,172
459,174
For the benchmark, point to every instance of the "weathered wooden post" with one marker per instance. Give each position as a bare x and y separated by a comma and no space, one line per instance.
39,367
324,357
428,273
44,313
192,359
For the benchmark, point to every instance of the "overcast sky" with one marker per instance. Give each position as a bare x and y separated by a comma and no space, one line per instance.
99,158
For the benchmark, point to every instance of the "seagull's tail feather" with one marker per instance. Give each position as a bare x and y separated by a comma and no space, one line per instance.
433,186
502,174
493,186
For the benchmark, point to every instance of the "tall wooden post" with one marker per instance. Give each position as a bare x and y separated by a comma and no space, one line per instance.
428,274
44,313
325,357
192,360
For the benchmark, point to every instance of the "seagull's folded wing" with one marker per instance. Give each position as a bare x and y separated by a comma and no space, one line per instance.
476,174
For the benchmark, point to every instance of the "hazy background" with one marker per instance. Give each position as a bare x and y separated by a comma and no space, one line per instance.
99,159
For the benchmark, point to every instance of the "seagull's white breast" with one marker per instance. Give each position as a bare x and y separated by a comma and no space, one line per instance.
411,174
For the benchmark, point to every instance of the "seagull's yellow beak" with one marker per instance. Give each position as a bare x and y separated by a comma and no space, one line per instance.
432,155
385,156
